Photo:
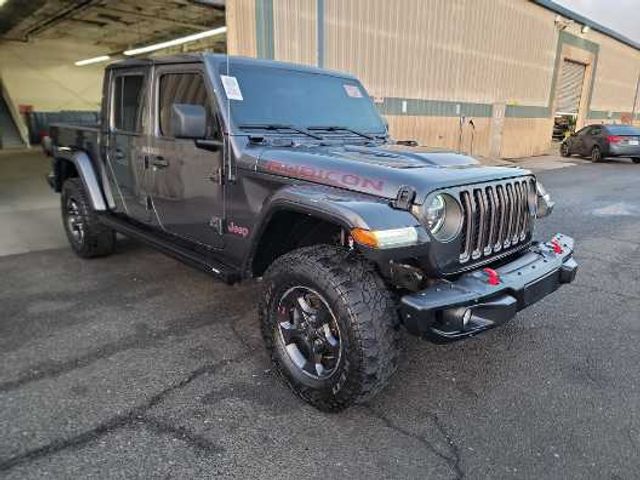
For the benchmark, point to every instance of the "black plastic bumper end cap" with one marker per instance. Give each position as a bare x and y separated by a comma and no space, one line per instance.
568,271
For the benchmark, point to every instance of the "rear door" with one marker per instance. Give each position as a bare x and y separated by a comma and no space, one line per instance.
595,137
186,181
126,141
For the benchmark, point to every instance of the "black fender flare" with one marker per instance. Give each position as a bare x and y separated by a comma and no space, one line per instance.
349,209
344,208
87,174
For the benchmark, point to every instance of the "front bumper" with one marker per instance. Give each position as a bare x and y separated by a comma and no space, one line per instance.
448,311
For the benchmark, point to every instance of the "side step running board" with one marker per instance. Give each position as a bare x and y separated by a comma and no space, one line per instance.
190,257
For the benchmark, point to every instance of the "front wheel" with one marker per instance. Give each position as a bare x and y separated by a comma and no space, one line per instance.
330,325
636,160
596,154
564,150
87,236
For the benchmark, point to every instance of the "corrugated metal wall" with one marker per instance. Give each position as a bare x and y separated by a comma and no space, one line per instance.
429,62
295,41
241,27
616,75
443,49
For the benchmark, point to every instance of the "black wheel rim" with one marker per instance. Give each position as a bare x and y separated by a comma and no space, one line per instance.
75,223
309,332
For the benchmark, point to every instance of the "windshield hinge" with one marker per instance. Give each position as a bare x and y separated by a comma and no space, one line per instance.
217,223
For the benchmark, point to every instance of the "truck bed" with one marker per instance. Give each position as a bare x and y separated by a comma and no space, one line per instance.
83,137
74,137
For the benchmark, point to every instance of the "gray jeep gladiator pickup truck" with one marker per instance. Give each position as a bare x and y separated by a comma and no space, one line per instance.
248,168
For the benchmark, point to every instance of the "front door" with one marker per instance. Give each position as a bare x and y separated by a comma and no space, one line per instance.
125,162
186,181
579,141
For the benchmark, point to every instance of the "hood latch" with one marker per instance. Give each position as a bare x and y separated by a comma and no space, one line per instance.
404,198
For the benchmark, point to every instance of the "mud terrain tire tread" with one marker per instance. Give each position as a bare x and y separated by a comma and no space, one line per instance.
358,295
99,240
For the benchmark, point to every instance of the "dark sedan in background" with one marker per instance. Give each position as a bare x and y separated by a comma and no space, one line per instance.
601,141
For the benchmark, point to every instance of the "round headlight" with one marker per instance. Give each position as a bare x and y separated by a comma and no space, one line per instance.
441,215
435,213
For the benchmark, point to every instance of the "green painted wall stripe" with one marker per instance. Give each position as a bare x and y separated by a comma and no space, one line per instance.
603,115
582,43
264,29
527,111
320,32
434,108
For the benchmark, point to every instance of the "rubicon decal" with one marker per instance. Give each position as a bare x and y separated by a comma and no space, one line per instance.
331,177
237,230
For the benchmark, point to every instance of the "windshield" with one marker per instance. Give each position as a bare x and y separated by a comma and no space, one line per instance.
262,95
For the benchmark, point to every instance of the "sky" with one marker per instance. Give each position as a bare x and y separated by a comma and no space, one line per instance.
622,16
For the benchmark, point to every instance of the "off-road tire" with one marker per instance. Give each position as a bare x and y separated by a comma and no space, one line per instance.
97,239
564,150
596,154
365,310
636,160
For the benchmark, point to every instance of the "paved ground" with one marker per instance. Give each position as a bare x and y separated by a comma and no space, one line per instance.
137,366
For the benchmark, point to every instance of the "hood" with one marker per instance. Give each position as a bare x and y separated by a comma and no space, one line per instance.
380,170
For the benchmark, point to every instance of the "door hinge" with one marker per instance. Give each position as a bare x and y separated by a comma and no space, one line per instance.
216,177
217,224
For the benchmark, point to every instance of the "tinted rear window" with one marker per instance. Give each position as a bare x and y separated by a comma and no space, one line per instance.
623,130
127,102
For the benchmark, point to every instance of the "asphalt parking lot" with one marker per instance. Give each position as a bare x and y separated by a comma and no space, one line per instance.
136,366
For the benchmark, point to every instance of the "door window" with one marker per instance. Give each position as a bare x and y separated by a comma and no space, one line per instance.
127,100
186,88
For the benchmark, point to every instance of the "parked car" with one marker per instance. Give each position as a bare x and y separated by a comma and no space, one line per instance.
602,141
253,168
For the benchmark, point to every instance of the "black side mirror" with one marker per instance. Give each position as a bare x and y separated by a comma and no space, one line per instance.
188,121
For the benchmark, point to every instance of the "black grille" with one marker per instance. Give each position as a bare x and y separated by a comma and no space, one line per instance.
496,217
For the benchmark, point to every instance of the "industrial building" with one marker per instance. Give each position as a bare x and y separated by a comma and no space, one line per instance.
481,76
487,77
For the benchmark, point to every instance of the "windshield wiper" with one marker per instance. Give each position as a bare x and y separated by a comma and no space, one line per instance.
332,128
278,126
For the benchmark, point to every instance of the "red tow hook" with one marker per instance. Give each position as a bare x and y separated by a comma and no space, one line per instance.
494,277
557,248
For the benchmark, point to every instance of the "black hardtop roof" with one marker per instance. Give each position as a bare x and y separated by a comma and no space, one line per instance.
221,59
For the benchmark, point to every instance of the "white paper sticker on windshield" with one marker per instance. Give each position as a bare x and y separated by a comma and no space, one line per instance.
231,87
352,91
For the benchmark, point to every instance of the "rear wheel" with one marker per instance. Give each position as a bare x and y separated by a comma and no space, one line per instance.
596,154
330,325
87,236
564,150
636,160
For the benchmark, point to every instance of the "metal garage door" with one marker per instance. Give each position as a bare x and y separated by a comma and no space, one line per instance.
570,87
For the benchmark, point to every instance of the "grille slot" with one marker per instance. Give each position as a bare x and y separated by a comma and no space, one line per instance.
496,217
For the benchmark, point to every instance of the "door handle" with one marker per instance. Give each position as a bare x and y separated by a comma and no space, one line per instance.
160,162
